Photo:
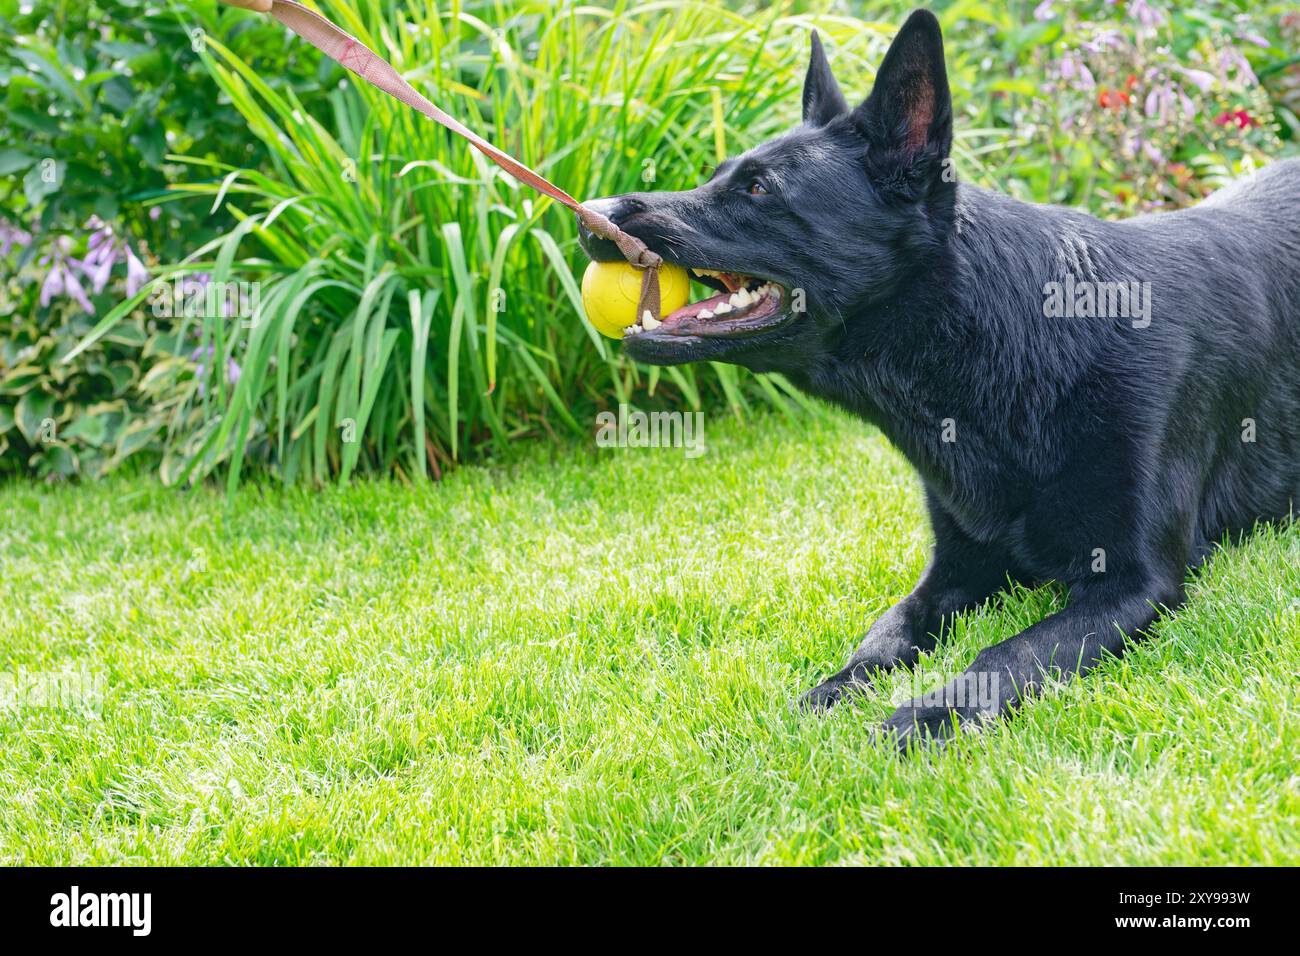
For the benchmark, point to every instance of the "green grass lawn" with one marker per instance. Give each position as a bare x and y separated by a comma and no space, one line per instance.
588,657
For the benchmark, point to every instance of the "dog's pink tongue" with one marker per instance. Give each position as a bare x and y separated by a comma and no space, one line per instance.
692,309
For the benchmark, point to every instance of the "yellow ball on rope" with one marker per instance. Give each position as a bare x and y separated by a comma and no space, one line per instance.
611,291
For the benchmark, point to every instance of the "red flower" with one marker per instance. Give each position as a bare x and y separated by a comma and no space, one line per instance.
1112,99
1240,118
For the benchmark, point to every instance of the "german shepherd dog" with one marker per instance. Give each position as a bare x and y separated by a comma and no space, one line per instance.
1108,448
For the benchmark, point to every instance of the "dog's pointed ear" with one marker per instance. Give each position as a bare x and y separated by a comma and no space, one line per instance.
822,99
907,119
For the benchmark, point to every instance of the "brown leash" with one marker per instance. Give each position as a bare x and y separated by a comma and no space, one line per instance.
350,52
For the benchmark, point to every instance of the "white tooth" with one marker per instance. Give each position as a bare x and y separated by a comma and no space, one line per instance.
740,299
705,314
722,309
650,323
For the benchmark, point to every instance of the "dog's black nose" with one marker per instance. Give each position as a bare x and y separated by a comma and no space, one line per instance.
613,208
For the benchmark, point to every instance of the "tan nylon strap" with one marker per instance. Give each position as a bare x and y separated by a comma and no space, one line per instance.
351,53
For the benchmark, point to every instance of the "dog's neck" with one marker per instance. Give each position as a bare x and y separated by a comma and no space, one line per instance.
960,369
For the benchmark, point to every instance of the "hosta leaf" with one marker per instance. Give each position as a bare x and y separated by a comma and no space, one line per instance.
122,375
20,379
130,335
42,179
137,435
12,160
90,429
33,410
54,459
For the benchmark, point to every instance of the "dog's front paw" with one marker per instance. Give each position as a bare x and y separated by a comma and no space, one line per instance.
831,691
918,724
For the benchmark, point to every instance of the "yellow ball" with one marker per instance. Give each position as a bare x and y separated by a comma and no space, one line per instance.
611,291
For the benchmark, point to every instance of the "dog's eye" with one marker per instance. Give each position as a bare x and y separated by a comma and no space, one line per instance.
756,188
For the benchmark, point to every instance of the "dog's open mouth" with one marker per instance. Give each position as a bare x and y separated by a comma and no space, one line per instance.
743,305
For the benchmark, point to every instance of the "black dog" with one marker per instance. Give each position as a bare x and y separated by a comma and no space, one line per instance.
1098,403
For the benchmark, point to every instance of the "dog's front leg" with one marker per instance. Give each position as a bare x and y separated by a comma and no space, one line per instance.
895,639
1072,641
962,574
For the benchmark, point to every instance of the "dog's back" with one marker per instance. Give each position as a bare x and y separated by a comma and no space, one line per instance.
1230,345
1252,226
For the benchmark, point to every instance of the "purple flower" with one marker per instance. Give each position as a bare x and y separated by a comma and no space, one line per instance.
1152,105
1160,101
99,235
201,355
1145,14
1104,39
53,284
1231,59
98,265
136,274
195,283
101,252
1044,10
1203,80
1076,71
11,236
104,250
62,280
75,290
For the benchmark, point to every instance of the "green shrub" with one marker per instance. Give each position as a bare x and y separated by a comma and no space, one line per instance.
85,417
98,94
93,96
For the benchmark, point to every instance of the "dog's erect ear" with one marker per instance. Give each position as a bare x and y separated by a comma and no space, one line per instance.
822,99
907,119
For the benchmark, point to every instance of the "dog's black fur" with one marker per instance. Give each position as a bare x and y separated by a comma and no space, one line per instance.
1073,436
